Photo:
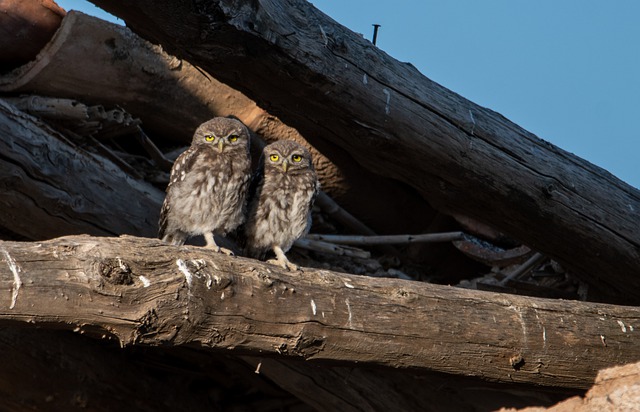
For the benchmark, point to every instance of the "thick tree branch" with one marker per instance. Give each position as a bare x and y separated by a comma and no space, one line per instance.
143,292
334,86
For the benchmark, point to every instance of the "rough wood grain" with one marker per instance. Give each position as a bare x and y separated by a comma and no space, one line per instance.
141,291
51,187
334,86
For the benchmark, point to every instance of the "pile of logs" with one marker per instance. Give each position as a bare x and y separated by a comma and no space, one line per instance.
422,189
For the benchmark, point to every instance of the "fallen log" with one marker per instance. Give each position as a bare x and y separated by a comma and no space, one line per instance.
50,187
337,88
142,292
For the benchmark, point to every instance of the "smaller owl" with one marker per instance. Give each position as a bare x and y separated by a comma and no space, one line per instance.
208,187
282,192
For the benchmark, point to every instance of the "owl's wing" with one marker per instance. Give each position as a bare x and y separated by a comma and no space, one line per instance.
316,191
256,181
183,164
253,193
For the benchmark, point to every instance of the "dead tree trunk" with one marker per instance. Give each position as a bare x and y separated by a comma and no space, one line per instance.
140,291
332,85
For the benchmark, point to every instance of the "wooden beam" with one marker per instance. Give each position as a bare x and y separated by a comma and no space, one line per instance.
334,86
143,292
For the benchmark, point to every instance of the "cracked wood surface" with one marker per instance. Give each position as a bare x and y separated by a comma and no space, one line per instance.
142,292
334,86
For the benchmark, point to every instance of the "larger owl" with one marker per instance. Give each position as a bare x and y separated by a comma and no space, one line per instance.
283,190
208,187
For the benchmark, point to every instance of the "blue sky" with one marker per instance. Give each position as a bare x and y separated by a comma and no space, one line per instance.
568,71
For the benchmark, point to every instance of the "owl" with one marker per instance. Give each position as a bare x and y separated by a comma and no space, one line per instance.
207,191
282,192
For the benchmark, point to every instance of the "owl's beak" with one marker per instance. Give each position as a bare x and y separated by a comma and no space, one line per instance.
220,145
285,165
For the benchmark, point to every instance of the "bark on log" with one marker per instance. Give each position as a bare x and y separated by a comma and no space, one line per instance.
334,86
51,187
141,291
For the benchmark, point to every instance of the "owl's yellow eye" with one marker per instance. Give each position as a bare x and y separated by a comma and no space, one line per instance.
232,138
296,158
209,138
274,157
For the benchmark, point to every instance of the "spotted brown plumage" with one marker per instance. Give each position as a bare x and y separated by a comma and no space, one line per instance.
207,190
283,190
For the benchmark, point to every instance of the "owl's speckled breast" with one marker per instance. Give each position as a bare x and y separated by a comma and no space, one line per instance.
286,214
215,197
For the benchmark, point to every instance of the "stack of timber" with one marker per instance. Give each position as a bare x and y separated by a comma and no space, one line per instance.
410,201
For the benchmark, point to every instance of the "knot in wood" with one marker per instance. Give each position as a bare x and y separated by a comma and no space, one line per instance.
115,271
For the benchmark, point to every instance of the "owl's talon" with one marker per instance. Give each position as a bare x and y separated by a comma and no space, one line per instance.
285,264
226,251
219,249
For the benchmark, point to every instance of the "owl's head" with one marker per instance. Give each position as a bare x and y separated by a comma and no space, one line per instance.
286,156
223,133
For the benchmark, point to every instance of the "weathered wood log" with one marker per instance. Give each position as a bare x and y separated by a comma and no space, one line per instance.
51,187
334,86
143,292
25,27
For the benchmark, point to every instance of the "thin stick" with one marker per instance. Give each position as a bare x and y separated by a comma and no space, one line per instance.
325,247
329,206
154,152
531,263
389,239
